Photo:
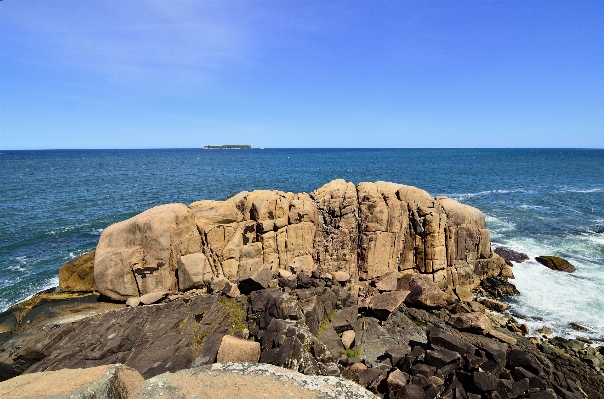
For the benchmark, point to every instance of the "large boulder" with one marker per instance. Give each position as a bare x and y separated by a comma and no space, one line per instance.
556,263
78,274
140,255
372,231
102,382
249,380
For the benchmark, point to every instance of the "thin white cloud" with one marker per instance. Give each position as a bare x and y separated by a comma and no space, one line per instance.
129,42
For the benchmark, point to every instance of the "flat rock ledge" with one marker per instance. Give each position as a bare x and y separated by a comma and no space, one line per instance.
217,381
249,380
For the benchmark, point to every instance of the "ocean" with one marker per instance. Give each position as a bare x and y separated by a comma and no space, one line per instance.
55,204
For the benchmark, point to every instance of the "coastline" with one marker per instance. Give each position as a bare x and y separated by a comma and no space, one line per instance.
359,297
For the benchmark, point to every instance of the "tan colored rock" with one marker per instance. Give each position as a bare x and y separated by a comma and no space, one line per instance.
494,305
233,349
424,292
502,337
194,271
209,212
152,297
348,338
396,380
102,382
386,303
78,274
250,381
384,223
369,231
387,282
285,273
133,302
340,276
337,241
140,255
472,322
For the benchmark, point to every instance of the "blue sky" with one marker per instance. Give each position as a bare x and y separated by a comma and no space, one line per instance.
174,74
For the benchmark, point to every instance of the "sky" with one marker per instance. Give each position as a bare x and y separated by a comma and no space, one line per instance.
301,74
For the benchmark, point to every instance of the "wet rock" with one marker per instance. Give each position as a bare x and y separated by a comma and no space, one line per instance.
556,263
498,287
78,274
511,255
521,359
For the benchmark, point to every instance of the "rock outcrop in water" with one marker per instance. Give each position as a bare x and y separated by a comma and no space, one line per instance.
372,283
366,231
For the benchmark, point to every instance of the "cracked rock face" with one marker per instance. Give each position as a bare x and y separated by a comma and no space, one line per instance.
364,231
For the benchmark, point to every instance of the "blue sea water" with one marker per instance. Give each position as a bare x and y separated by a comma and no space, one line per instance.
55,204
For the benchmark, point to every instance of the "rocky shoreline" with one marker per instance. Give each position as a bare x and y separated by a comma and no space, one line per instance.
380,284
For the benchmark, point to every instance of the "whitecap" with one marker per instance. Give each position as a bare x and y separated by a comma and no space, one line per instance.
464,196
525,206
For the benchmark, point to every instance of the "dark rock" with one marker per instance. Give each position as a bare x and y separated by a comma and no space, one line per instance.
386,303
520,373
542,395
345,319
410,391
485,382
564,394
366,377
397,353
473,362
304,281
556,263
328,336
288,344
276,304
498,287
520,387
519,358
439,338
255,281
422,369
442,357
511,255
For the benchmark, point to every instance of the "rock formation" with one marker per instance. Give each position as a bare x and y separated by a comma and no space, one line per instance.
366,231
556,263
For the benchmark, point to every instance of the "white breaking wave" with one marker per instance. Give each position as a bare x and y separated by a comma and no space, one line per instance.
464,196
556,299
50,283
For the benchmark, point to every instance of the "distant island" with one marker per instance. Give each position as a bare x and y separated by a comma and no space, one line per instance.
228,147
